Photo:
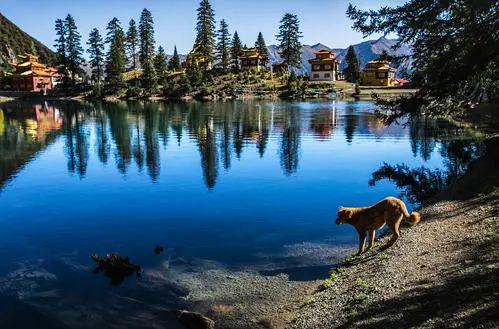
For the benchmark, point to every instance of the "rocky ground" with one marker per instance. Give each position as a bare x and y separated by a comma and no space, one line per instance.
442,273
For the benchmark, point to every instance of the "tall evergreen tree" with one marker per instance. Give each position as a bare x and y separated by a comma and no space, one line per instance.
194,73
205,29
116,56
289,40
132,43
96,51
352,71
61,47
384,56
146,52
262,48
160,63
235,50
113,26
223,45
455,45
174,63
74,48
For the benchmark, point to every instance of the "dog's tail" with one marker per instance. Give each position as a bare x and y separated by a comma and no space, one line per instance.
413,218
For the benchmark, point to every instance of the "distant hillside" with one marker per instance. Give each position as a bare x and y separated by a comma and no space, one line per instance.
14,41
366,51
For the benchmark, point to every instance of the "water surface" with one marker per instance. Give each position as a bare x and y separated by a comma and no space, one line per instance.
237,184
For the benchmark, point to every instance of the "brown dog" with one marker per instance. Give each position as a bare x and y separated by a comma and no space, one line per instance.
369,219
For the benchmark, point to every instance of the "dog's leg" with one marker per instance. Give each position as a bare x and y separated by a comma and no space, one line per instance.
362,241
371,235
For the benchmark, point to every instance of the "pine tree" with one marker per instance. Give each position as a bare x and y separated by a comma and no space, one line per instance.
174,63
235,50
74,48
160,63
384,56
61,47
113,26
455,48
146,52
132,43
352,71
205,29
223,46
194,73
262,48
184,86
96,51
289,40
116,56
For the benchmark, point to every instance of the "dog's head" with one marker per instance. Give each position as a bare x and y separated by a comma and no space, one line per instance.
344,215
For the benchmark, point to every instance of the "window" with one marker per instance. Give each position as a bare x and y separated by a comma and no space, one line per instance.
317,67
327,75
381,75
327,67
316,76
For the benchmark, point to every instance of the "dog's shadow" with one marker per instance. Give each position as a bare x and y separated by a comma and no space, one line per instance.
366,257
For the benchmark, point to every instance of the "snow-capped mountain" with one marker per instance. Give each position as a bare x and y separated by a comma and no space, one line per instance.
366,51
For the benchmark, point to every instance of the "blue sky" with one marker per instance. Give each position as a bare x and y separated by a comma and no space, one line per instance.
321,20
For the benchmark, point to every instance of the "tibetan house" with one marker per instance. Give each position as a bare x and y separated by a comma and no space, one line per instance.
30,75
378,73
251,59
324,67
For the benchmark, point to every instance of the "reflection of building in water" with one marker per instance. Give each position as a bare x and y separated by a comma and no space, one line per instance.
24,131
323,122
47,118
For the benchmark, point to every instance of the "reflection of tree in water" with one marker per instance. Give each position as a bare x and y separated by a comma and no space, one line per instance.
419,184
351,122
226,146
290,141
120,131
416,184
151,120
422,141
76,142
102,135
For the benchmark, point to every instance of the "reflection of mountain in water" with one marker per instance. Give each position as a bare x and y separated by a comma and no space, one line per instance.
136,133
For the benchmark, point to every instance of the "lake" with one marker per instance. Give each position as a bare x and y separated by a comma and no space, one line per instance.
250,186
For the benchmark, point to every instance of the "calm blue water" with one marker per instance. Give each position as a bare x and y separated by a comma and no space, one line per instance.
233,183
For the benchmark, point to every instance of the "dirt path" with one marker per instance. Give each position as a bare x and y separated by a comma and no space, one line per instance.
442,273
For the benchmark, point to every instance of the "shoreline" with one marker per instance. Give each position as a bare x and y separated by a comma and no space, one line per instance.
421,272
441,272
366,93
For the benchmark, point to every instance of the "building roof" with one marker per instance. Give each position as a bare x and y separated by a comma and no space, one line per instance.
38,73
324,51
323,60
251,53
379,66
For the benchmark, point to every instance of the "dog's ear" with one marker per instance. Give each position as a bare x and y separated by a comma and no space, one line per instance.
349,213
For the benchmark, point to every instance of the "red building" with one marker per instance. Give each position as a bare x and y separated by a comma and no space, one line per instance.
30,75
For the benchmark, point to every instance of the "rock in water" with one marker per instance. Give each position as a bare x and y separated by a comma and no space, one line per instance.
192,320
115,266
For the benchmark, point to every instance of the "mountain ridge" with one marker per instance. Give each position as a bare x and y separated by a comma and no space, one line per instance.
14,41
366,51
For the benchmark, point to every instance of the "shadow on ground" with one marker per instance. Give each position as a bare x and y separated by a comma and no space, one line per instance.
469,300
